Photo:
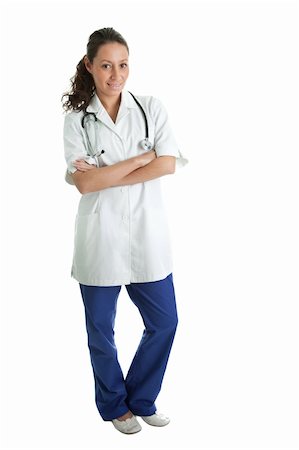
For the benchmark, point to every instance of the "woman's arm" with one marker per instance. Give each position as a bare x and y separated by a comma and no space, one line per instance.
88,178
163,165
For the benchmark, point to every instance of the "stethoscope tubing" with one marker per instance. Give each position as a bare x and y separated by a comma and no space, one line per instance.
145,143
144,115
142,110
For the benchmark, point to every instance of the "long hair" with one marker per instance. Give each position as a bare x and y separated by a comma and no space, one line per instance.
82,83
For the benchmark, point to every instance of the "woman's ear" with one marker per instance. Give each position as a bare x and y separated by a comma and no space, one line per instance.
87,64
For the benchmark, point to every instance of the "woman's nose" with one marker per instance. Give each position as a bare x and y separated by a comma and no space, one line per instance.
115,73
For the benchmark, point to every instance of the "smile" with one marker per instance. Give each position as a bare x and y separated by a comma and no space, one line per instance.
114,85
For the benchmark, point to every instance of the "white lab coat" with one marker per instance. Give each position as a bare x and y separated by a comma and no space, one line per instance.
122,232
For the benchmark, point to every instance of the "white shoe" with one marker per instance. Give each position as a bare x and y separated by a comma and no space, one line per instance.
156,419
128,426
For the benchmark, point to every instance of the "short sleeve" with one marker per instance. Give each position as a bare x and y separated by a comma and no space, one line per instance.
74,144
165,142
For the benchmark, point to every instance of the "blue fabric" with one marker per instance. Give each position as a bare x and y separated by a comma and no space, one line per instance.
156,302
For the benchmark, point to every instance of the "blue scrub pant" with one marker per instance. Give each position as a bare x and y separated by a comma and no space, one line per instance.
114,395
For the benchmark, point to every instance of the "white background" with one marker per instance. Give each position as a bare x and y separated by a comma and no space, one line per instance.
227,73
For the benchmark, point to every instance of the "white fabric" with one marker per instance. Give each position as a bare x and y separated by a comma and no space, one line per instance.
128,426
157,419
121,232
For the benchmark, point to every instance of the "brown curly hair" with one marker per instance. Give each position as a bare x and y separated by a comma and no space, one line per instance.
82,83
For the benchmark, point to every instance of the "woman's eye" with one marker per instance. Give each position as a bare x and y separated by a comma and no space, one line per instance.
108,65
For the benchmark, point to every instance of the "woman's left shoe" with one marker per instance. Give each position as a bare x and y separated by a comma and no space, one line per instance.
156,419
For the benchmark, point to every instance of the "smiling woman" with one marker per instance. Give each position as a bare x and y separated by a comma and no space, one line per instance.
121,230
107,60
109,76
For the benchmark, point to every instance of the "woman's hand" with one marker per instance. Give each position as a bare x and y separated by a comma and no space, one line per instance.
146,157
82,165
143,160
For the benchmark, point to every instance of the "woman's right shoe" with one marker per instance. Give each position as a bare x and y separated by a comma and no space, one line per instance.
128,426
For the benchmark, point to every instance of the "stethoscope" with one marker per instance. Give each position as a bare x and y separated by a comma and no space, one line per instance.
145,144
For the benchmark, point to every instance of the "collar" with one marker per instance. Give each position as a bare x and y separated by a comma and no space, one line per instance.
126,102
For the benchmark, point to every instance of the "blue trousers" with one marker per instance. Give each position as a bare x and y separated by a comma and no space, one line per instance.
114,395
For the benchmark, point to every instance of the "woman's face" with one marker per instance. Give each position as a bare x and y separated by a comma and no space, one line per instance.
109,69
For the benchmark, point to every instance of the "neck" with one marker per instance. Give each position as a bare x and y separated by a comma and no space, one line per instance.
110,103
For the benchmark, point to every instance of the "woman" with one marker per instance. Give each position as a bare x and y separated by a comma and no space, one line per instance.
121,235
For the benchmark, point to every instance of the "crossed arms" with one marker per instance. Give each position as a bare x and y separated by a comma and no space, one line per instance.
137,169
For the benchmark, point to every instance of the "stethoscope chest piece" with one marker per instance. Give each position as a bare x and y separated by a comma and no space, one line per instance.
146,145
